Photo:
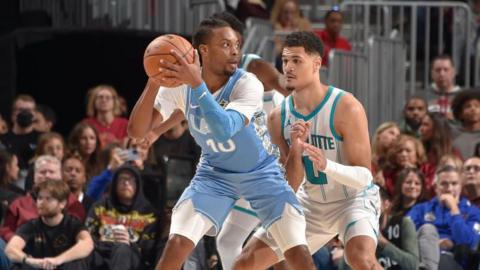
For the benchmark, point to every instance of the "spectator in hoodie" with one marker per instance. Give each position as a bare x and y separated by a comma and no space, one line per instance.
124,225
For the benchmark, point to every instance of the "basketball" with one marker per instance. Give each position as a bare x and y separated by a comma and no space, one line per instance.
159,49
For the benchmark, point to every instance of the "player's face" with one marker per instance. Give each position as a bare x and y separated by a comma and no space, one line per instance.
48,206
222,51
299,67
412,186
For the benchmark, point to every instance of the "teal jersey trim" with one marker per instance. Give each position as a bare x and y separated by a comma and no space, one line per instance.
283,115
314,112
244,210
332,116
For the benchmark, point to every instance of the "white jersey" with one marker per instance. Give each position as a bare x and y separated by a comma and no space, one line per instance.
316,185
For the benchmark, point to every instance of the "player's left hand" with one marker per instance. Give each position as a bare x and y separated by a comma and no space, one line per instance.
182,71
316,155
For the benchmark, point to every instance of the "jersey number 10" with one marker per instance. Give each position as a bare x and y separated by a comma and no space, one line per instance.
225,147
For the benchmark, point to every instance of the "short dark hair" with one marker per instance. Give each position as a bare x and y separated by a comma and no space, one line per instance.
461,98
233,21
308,40
47,112
330,12
443,57
205,29
57,189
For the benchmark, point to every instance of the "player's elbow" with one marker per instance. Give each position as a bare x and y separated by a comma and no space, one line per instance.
135,131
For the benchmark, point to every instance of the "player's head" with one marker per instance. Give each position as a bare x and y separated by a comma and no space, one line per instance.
233,21
218,46
302,59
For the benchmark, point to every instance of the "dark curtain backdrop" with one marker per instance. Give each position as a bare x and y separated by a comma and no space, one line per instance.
57,67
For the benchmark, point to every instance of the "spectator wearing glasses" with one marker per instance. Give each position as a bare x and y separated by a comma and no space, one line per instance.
471,180
103,110
456,220
123,225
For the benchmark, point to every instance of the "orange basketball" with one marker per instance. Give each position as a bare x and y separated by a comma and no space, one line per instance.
160,48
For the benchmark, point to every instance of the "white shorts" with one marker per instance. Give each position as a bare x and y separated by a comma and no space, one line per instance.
353,217
189,223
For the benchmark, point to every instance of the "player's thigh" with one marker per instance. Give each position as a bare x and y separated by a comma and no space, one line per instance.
188,222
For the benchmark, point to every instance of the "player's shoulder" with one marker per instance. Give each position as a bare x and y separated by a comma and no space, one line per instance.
348,104
249,79
275,115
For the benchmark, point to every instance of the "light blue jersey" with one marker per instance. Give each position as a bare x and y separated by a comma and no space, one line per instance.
245,166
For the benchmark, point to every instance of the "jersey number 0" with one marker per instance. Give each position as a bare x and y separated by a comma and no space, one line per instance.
313,176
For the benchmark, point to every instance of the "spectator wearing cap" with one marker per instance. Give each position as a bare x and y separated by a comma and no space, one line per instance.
466,109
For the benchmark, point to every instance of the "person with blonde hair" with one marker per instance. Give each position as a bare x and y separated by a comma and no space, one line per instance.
406,152
385,135
103,110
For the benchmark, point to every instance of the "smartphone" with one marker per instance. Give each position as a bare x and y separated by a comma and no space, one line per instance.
130,154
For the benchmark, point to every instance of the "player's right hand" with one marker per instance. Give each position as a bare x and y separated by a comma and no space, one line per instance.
300,130
183,71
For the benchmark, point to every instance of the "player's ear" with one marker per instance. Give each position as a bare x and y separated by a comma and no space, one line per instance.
317,62
202,49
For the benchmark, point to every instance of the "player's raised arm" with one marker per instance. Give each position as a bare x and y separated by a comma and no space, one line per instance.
268,75
351,124
143,114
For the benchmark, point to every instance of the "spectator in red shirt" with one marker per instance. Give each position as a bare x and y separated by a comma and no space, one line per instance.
103,110
330,36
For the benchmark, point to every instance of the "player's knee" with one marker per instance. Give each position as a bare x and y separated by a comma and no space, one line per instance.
360,252
178,242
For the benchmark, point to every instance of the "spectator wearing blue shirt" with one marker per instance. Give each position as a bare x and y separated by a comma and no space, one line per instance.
456,220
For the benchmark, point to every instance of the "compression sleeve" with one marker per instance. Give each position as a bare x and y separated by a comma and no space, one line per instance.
356,177
223,124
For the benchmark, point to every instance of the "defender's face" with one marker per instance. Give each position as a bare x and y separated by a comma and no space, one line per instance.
222,51
299,67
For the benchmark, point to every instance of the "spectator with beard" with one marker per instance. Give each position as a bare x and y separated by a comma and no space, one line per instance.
73,172
23,209
413,112
124,225
53,240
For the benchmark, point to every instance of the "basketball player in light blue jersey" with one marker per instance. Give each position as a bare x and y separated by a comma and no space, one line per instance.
322,131
222,104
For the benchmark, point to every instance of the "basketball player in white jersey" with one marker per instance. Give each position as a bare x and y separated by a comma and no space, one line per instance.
322,131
